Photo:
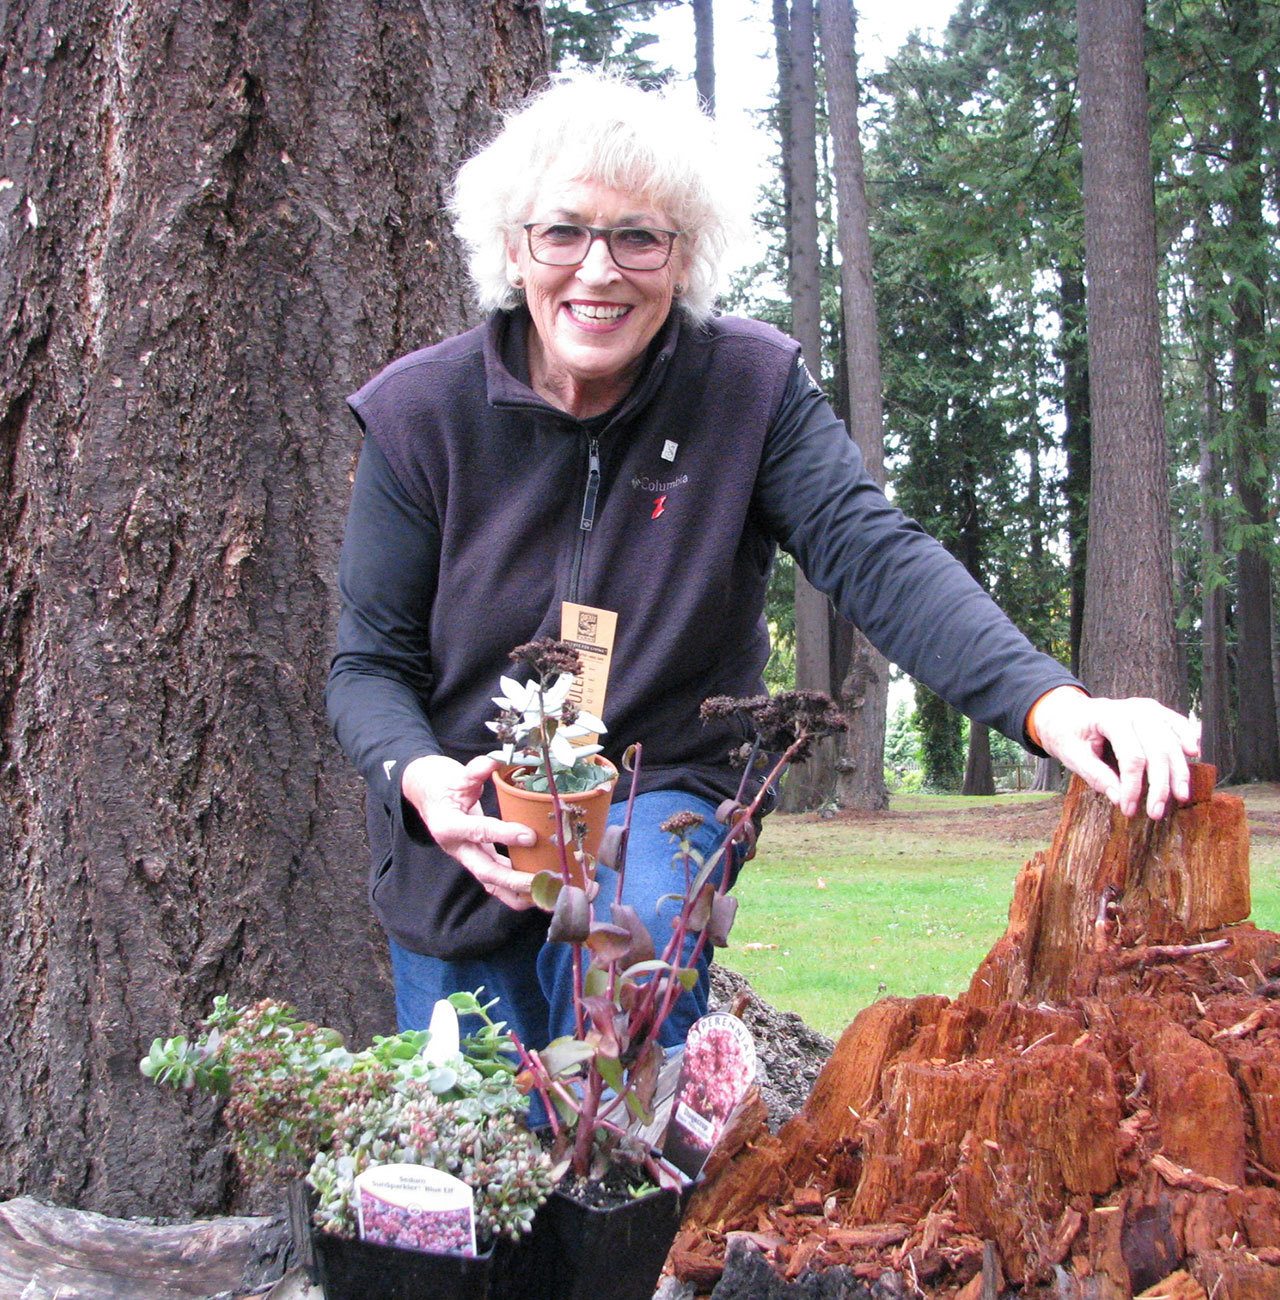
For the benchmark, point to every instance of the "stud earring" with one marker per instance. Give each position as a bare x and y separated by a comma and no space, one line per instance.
677,290
517,281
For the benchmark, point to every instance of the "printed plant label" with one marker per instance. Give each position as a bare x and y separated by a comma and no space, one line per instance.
415,1207
719,1066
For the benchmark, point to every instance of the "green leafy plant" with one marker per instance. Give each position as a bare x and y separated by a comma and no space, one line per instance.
479,1138
298,1101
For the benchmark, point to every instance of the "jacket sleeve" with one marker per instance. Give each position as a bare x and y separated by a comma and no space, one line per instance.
914,601
380,677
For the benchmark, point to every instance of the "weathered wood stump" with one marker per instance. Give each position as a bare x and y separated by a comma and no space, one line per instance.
1098,1113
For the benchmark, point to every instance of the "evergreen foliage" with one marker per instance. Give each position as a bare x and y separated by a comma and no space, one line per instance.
973,166
595,33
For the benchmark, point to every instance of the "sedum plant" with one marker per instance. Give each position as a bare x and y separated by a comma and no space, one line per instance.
479,1138
298,1101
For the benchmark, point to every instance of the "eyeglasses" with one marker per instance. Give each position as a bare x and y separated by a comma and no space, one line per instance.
633,248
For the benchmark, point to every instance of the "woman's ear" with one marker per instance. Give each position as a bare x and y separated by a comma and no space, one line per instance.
515,277
680,263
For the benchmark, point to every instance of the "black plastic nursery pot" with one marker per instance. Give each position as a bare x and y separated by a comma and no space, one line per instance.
347,1268
581,1252
350,1269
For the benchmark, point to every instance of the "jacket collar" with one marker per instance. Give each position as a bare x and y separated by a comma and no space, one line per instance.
506,366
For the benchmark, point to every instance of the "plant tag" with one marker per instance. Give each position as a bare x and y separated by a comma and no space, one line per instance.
590,631
415,1207
445,1041
719,1066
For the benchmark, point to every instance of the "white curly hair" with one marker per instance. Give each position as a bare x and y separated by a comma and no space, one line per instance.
598,127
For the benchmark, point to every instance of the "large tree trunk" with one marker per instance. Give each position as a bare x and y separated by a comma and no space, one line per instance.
1257,740
704,73
864,692
979,773
1128,642
1073,352
812,783
1215,696
219,220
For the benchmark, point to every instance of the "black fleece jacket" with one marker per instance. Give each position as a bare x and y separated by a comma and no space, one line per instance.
478,508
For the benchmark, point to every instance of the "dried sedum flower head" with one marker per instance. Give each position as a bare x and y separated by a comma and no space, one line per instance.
547,657
783,721
681,824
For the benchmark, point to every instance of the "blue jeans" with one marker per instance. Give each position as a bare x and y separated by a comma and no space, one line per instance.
533,980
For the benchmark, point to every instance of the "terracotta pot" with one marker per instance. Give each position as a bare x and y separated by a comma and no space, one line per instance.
515,804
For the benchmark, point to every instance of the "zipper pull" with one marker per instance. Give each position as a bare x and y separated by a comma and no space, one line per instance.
593,486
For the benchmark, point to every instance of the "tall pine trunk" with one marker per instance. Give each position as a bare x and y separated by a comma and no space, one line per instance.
1215,695
1253,455
1128,640
1073,352
812,783
864,692
221,219
979,775
1049,771
704,71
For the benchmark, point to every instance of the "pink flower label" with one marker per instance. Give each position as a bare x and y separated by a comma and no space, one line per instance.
415,1207
719,1066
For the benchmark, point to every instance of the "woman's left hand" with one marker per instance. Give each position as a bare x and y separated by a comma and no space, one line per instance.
1146,738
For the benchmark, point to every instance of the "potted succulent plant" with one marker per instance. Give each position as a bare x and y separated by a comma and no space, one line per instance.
598,1084
297,1101
550,758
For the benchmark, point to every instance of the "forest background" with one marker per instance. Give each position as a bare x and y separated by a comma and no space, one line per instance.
219,219
973,173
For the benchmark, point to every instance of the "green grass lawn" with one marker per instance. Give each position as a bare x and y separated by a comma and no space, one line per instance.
838,912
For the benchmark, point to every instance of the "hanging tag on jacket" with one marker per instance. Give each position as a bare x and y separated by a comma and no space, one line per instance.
590,631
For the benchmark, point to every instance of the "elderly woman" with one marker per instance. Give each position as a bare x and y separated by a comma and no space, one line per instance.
603,439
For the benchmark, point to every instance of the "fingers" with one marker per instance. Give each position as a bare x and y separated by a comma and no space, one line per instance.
1188,731
451,826
480,769
496,876
1150,742
1085,763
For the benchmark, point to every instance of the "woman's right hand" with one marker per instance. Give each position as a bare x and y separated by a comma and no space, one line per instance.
447,797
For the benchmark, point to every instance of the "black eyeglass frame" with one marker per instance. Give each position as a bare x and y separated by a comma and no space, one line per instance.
606,233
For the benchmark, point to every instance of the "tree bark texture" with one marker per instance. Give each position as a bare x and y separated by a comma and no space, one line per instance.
1257,740
813,783
1128,639
979,776
1215,692
219,219
704,69
1096,1113
1074,355
979,773
1049,771
864,692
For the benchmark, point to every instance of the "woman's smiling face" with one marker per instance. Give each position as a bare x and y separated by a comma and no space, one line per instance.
593,321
